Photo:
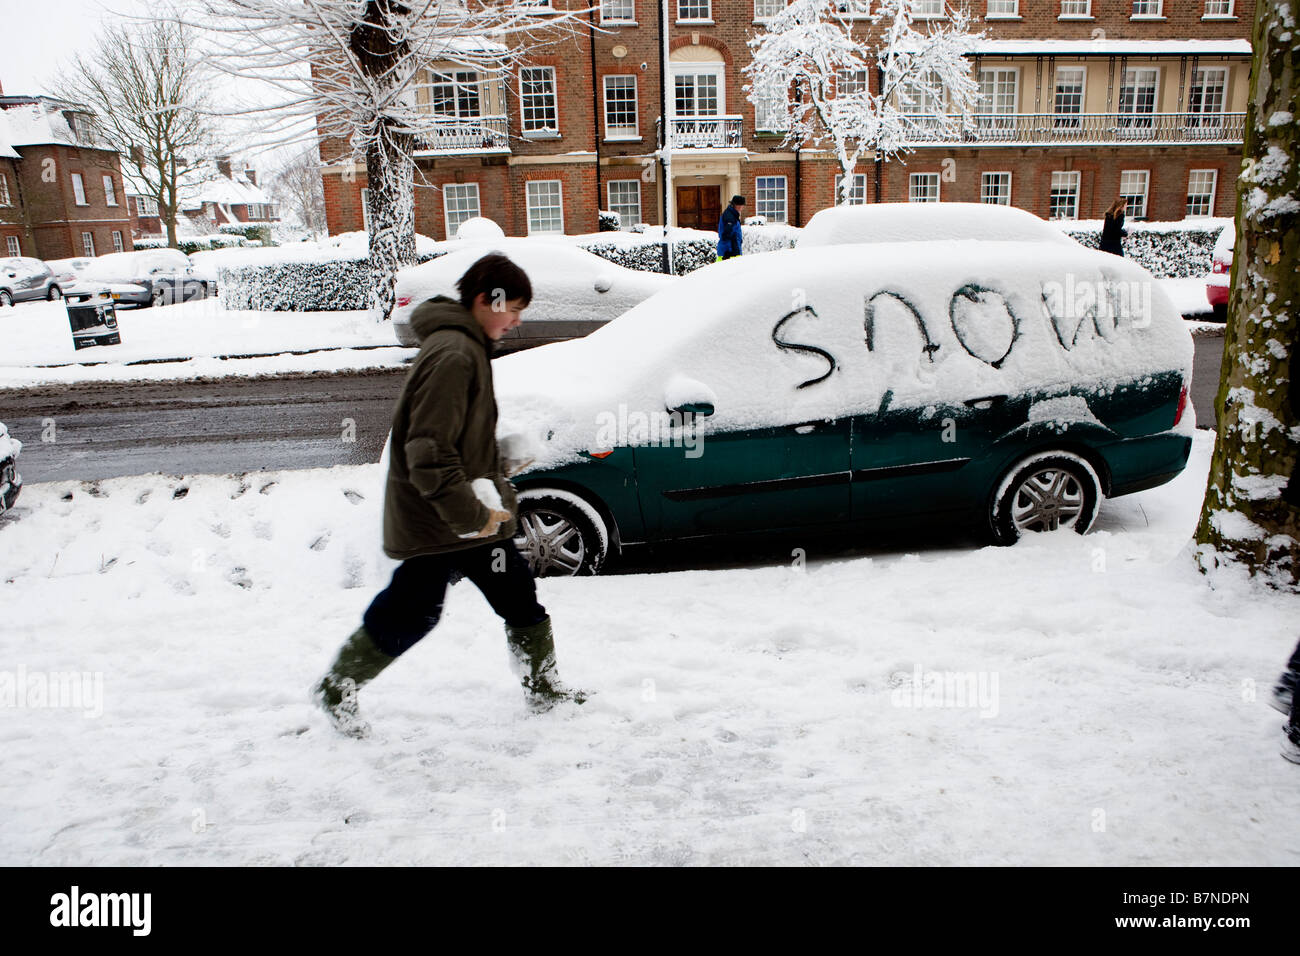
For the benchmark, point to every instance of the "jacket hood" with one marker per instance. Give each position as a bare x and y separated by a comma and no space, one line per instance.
442,312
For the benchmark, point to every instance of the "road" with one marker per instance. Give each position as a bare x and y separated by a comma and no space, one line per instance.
221,426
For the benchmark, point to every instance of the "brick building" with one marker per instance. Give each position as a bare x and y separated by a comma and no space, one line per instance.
61,189
1084,100
227,194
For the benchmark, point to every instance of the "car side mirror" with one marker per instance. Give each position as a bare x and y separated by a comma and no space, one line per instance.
603,283
688,396
703,409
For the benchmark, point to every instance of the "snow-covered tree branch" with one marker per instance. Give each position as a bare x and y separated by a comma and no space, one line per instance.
866,83
352,70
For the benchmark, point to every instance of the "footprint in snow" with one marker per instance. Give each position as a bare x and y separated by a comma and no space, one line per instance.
355,497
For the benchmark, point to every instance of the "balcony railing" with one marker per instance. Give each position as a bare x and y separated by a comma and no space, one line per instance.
463,134
1018,128
706,132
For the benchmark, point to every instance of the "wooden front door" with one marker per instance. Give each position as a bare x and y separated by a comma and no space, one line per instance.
699,207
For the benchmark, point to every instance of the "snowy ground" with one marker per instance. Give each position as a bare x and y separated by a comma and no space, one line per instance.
757,715
201,338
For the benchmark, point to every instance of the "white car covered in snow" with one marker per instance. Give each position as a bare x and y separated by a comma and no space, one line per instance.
1007,386
928,221
10,481
574,291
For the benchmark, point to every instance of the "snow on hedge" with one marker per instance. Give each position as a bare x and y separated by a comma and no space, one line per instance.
1168,250
780,339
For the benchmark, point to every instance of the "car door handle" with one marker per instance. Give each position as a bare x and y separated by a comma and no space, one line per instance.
987,401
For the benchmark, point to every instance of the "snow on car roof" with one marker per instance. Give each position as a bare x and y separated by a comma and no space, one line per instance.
118,265
919,222
783,337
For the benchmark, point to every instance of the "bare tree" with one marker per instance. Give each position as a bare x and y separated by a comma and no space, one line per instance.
145,83
1251,515
869,82
349,70
300,191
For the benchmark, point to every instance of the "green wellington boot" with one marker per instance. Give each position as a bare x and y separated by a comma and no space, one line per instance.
532,657
358,663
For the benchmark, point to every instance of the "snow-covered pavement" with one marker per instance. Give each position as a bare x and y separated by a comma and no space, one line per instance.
763,715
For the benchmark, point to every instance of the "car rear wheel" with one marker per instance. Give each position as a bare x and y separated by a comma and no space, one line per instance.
159,298
55,294
559,534
6,298
1045,492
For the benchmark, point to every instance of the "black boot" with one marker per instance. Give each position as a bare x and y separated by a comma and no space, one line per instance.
358,663
532,656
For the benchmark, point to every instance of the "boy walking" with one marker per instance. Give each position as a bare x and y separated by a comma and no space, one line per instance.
443,438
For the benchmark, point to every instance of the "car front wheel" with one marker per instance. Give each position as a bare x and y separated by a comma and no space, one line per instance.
6,298
1045,492
560,534
55,294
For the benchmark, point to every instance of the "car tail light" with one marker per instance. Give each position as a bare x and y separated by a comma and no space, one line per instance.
601,454
1219,267
1182,404
403,301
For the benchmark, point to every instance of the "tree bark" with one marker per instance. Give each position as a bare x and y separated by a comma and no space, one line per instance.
1251,515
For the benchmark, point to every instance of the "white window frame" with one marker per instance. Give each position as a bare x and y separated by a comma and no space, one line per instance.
461,196
79,190
110,192
88,244
857,192
1072,119
365,210
1012,14
773,7
708,15
14,246
623,132
928,10
772,201
1063,179
4,190
1144,175
1230,13
1073,10
848,82
625,223
524,120
771,113
1140,123
854,9
532,207
715,70
919,187
919,109
985,192
629,5
1146,13
466,94
1214,188
118,245
146,207
1202,122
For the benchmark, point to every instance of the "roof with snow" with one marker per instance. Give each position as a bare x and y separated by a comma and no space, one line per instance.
1110,47
39,121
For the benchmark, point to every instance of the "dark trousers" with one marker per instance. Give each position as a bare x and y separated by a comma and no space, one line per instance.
411,605
1293,665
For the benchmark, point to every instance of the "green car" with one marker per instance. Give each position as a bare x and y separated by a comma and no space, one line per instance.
1016,385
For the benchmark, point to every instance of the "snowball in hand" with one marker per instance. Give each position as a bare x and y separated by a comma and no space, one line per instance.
487,493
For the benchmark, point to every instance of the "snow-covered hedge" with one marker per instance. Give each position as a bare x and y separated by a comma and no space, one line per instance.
150,242
610,221
256,232
688,254
330,285
768,237
1168,250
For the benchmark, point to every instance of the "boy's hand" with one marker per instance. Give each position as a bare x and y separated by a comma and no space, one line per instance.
495,518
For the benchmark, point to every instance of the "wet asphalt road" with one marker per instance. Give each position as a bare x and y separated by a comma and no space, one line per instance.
225,425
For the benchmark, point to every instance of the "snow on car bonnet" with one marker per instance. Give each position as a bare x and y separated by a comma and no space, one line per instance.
923,222
804,336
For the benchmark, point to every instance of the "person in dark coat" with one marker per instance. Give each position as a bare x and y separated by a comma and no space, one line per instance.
448,506
1286,700
1112,230
729,228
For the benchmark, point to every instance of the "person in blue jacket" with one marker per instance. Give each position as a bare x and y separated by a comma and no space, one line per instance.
729,228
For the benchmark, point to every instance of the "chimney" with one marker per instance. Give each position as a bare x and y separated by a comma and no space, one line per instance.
251,176
223,166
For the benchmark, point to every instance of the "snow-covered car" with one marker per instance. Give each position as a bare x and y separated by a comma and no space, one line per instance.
1216,285
10,481
23,279
145,277
574,291
927,221
1005,386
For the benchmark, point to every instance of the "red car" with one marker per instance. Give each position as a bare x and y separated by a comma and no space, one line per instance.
1216,286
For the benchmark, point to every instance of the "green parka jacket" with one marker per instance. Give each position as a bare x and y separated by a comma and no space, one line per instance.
444,437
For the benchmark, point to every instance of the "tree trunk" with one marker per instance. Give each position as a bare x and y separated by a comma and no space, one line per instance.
389,167
1251,515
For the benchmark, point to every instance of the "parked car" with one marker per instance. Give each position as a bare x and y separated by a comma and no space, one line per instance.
1005,386
922,222
574,291
23,279
146,277
1216,286
10,481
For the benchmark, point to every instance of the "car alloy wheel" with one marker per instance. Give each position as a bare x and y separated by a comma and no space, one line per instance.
55,294
159,298
5,299
1045,492
557,536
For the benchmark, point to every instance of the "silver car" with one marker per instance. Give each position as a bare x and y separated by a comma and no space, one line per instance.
23,279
